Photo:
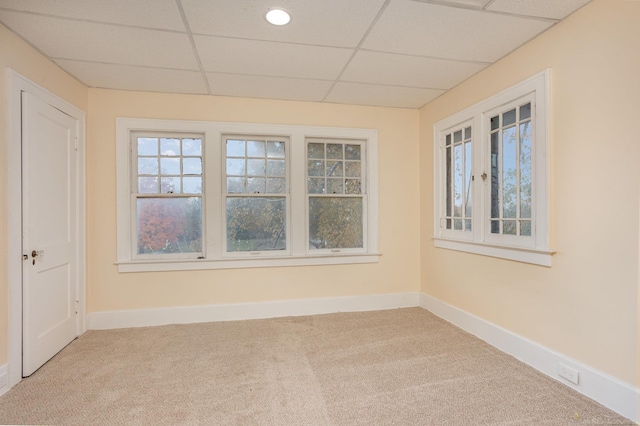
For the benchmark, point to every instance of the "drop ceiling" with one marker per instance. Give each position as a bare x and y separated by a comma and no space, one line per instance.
396,53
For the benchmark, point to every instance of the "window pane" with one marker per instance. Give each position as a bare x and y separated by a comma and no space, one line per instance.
235,166
508,118
525,170
334,151
525,111
235,148
467,225
352,152
315,185
192,166
235,185
147,146
334,168
147,166
255,224
525,228
495,177
169,146
315,168
169,225
457,136
457,181
255,149
170,185
148,185
276,185
457,224
495,122
335,186
335,223
275,168
448,139
352,169
192,185
170,166
495,227
192,147
256,168
315,150
256,185
275,149
467,133
509,227
352,186
468,188
449,175
509,172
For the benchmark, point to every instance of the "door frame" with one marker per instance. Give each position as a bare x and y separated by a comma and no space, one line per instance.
17,85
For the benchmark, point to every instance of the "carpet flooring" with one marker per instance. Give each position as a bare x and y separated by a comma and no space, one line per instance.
394,367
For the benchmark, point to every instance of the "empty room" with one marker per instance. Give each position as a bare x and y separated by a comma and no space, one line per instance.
296,212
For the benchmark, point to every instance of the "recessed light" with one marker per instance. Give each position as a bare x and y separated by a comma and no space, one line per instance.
278,17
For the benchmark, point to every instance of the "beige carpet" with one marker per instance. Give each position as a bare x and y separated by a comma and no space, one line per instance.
397,367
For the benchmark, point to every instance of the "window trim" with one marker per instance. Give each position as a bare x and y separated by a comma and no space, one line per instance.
214,196
536,250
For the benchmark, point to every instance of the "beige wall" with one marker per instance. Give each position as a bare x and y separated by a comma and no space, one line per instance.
397,271
586,305
17,55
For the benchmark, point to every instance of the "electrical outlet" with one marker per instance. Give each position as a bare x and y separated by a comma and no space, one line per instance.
568,373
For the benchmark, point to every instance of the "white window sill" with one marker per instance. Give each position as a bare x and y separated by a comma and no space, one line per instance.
518,254
201,264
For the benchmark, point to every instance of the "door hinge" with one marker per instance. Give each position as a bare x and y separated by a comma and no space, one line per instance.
77,144
77,307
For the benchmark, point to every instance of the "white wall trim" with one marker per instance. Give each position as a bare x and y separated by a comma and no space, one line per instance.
17,84
241,311
4,379
621,397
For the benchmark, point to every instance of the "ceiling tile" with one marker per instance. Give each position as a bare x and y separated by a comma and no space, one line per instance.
445,32
61,38
328,22
268,87
268,58
387,96
474,3
409,71
125,77
159,14
553,9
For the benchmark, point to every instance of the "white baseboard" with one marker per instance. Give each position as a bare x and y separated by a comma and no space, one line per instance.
241,311
621,397
4,378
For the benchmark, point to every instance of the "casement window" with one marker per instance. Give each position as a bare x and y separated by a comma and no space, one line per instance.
209,195
491,183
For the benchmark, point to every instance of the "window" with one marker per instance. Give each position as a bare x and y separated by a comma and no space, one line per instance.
491,186
208,195
336,194
256,196
167,194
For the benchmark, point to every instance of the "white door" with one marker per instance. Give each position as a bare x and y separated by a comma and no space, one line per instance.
49,197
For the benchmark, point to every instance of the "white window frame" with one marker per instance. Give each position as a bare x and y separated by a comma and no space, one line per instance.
534,249
135,196
214,232
286,196
363,195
